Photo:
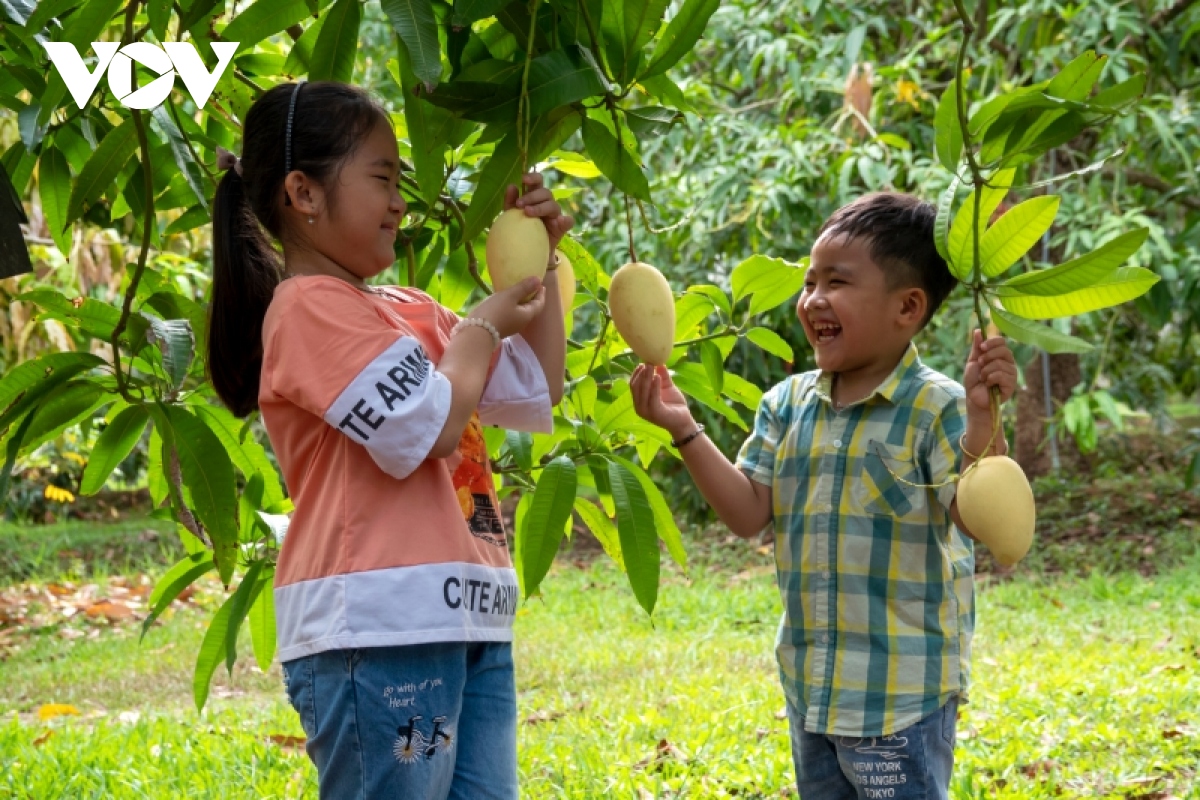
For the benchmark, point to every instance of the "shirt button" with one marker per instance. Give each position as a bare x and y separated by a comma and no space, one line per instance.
837,443
824,637
825,575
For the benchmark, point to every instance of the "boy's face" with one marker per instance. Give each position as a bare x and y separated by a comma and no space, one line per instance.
853,321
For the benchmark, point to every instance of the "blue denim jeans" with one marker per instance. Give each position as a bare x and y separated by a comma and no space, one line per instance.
419,722
911,764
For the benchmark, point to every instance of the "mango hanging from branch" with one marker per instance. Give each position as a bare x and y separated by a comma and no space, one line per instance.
517,247
995,502
643,309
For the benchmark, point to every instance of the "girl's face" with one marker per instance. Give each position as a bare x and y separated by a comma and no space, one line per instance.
357,230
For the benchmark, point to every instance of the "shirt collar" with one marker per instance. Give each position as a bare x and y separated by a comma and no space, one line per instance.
887,390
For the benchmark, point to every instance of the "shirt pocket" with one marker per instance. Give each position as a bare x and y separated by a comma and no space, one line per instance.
887,474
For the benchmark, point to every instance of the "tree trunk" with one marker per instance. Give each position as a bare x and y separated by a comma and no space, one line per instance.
1032,446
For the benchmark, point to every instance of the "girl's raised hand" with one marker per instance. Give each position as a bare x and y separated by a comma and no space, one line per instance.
538,201
512,309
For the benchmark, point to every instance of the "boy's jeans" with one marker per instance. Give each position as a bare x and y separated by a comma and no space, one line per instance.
911,764
419,722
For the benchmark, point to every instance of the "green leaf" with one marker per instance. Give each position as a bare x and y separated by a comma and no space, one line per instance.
635,529
66,406
615,161
180,576
116,442
559,78
47,10
415,22
54,186
26,385
208,475
664,519
1016,232
771,281
583,397
214,648
714,293
714,365
188,167
742,391
101,170
502,169
948,138
772,342
262,621
1023,330
941,224
1078,273
10,457
262,19
1119,286
93,317
662,88
174,338
602,527
468,11
541,529
244,451
1076,79
587,268
429,129
960,242
1122,94
680,36
301,52
692,380
520,444
249,589
81,30
650,121
159,14
333,54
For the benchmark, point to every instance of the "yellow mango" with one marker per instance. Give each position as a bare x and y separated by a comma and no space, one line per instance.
566,281
643,309
517,247
995,502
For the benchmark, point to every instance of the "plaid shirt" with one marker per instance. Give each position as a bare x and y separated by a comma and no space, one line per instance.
877,583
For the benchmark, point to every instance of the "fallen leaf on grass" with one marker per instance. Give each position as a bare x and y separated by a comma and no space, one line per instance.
286,742
41,740
1038,768
52,710
111,610
1167,668
543,716
664,751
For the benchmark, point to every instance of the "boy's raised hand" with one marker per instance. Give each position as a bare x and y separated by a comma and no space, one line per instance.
538,201
656,399
991,363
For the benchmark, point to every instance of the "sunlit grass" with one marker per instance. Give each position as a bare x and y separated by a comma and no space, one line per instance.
1084,687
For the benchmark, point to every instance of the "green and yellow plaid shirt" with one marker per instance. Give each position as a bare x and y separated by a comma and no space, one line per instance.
877,583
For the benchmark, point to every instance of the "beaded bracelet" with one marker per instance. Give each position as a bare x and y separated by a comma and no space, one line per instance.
553,265
467,322
699,430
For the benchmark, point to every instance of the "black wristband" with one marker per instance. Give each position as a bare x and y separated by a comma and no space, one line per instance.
699,430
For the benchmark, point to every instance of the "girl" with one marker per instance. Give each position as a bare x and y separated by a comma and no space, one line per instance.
394,591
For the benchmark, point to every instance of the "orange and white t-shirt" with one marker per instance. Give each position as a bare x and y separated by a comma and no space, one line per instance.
386,546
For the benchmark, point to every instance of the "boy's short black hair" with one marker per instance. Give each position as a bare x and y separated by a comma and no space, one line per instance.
898,229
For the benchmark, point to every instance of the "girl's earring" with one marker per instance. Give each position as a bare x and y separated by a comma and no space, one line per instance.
310,220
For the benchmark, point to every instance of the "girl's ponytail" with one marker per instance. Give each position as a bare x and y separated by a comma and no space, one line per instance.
245,273
319,125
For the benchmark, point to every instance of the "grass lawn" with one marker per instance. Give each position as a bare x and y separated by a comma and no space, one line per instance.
1084,686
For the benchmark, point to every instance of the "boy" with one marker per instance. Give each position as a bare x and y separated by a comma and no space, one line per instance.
875,580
